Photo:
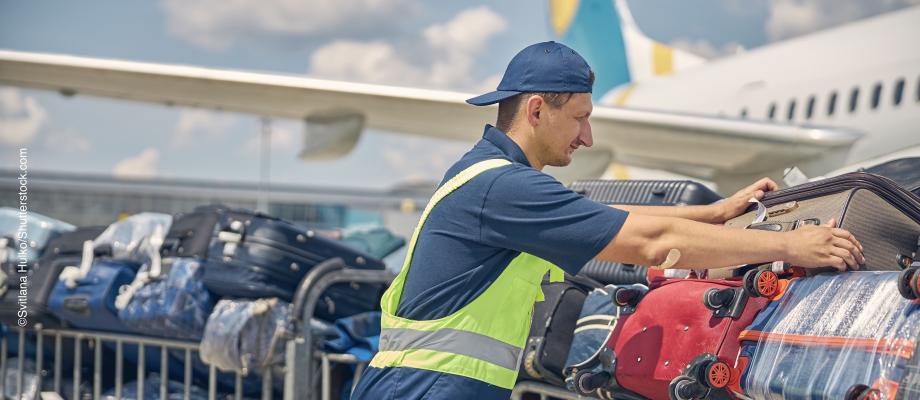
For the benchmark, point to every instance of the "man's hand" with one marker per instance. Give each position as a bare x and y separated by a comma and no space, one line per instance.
738,202
823,246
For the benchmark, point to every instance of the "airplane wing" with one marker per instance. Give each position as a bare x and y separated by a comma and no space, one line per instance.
701,146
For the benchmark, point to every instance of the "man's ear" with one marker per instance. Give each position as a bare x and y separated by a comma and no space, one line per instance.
533,107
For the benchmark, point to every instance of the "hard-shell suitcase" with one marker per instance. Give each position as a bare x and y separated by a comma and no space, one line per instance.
677,339
90,302
834,336
552,328
903,171
637,192
62,251
884,217
256,256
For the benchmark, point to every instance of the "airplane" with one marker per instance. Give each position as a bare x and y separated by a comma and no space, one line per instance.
657,107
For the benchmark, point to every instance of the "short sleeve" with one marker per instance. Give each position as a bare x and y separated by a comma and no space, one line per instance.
528,211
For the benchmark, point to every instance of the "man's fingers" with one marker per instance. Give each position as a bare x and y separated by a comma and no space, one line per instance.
846,256
851,248
830,223
845,234
768,184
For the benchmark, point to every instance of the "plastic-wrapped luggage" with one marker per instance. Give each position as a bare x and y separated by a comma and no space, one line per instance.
834,336
62,251
89,302
677,340
246,335
637,192
253,255
552,327
39,230
136,238
596,321
173,304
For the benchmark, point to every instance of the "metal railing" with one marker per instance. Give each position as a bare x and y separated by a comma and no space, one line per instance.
543,390
302,359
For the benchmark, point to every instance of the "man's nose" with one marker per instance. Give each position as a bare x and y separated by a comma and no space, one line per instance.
585,135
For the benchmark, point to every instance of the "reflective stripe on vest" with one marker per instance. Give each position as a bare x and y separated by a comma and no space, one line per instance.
484,340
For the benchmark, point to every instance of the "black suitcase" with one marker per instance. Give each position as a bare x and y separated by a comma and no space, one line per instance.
253,255
883,216
552,329
903,171
637,192
62,251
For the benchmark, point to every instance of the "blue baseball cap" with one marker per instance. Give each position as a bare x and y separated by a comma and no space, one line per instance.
541,67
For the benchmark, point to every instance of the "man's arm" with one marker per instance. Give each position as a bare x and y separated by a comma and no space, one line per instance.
649,240
712,214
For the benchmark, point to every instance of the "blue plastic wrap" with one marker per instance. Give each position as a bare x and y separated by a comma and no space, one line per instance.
39,228
830,333
176,304
136,237
246,335
596,321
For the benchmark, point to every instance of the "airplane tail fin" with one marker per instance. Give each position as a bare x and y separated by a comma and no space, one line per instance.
605,34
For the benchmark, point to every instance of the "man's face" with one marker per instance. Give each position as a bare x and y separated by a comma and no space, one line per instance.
563,130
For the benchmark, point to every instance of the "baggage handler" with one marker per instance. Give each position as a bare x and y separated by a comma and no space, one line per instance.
456,318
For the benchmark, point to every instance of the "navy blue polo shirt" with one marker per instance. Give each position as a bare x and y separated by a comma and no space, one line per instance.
468,240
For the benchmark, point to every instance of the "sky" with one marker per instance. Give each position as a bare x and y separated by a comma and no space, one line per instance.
462,46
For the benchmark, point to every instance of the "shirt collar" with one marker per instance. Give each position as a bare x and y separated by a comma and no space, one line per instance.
505,144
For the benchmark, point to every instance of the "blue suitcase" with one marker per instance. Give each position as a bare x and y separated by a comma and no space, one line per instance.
90,302
174,305
254,255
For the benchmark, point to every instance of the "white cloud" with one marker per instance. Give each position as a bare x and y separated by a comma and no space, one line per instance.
218,24
706,49
371,62
453,47
194,124
143,165
67,141
20,117
789,18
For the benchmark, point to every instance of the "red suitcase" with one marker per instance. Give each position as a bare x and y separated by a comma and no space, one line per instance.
679,340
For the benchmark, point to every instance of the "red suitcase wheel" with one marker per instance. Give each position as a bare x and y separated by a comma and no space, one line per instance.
766,283
718,374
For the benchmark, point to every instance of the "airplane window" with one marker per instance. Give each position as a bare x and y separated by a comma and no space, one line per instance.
744,113
810,107
898,91
854,98
772,111
791,113
876,95
831,102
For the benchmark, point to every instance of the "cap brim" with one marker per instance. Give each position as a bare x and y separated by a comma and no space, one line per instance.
492,97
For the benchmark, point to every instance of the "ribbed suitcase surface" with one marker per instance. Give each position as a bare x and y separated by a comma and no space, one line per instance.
884,217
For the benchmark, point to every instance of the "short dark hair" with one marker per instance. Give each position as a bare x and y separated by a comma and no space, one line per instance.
508,108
